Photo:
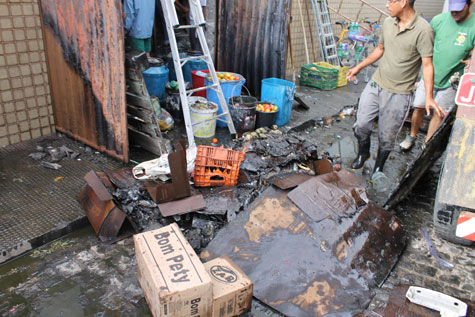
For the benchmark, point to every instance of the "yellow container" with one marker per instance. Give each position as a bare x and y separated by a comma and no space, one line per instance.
342,72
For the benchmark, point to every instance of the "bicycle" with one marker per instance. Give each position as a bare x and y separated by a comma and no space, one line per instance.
343,44
357,46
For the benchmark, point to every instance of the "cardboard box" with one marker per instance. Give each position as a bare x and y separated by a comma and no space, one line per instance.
173,279
232,288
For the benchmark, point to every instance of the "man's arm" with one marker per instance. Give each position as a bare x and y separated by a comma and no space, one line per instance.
373,57
428,73
129,11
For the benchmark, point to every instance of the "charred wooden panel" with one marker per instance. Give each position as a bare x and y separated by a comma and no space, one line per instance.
252,39
85,54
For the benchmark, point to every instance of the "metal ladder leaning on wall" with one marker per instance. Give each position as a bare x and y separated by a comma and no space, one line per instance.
325,33
173,24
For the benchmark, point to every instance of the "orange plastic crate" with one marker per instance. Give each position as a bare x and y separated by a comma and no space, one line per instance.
217,166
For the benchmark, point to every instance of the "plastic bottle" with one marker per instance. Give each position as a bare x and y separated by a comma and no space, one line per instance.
380,182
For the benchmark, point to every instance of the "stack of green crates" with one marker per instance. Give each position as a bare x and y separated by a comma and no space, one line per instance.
321,77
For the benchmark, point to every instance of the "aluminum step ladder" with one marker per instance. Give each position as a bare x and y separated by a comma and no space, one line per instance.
171,19
323,23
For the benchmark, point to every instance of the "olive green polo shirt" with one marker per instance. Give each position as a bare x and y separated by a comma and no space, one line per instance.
403,52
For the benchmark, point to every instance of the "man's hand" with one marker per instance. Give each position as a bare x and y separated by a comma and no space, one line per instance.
351,76
430,103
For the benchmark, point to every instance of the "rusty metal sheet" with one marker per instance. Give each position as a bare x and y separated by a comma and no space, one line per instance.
182,206
305,268
332,195
105,217
85,58
290,181
252,39
434,149
121,177
398,305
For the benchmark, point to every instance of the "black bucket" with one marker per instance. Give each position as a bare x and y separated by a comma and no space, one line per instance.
243,112
265,119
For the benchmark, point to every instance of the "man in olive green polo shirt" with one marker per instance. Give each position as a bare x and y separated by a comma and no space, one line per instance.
406,43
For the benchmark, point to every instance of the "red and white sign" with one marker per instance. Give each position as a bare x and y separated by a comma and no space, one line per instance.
466,226
466,91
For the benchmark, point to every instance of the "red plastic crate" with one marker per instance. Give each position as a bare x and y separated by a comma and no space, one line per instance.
217,166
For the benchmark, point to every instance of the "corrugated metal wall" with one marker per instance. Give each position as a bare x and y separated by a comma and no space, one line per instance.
349,8
85,54
252,39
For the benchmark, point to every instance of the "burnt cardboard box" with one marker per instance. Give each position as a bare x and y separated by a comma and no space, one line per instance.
172,277
232,288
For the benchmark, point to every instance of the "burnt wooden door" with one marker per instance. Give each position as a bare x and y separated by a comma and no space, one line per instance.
85,57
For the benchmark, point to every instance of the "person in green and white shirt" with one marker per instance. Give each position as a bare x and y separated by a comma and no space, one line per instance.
453,43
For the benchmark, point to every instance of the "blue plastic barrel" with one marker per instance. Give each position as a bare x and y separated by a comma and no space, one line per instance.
195,64
171,65
281,93
230,89
156,79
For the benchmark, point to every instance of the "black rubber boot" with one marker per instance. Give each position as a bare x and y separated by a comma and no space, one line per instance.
380,160
363,154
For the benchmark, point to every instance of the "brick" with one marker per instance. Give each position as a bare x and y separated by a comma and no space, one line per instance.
40,45
3,131
50,110
12,59
40,91
36,68
12,129
3,73
46,130
41,101
4,84
25,136
43,111
9,48
31,34
7,96
44,122
2,120
21,46
51,119
5,23
35,123
14,139
25,70
27,81
27,9
24,58
15,9
4,10
33,113
35,133
10,118
7,36
18,94
24,126
38,21
29,92
30,22
16,82
20,105
4,141
34,57
9,107
38,79
31,103
36,10
2,61
39,33
19,35
14,71
18,22
21,116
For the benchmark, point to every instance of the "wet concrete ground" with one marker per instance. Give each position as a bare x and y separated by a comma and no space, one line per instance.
78,275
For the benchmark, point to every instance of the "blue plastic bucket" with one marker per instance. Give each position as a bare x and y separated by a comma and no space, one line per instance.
281,93
230,89
155,79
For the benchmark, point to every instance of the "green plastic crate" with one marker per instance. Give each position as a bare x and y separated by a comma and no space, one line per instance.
322,78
